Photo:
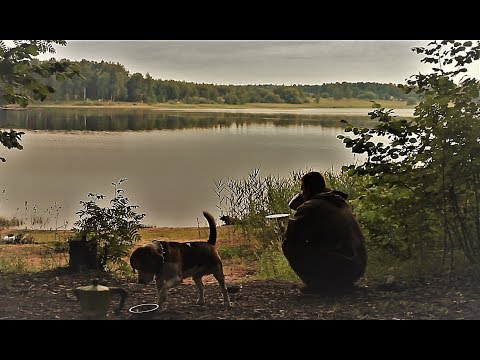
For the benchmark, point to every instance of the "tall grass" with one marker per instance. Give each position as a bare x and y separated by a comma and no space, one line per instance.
10,222
252,198
40,225
16,264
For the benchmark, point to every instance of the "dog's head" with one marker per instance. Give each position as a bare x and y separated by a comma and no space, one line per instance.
148,261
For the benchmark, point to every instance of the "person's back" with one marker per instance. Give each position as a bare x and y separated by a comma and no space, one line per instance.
324,243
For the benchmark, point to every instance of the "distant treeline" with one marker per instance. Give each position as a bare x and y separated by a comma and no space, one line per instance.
111,81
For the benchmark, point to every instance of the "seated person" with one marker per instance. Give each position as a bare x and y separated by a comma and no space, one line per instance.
323,242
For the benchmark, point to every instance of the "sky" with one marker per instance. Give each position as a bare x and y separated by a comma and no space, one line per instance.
258,62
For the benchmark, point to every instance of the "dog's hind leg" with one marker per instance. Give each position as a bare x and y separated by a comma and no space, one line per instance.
201,290
218,274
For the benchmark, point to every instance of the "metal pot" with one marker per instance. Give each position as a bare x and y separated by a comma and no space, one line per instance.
95,299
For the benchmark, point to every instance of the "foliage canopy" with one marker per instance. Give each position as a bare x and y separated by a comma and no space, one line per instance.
23,78
425,172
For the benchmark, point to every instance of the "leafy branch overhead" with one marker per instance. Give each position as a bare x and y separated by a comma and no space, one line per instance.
11,139
430,163
23,78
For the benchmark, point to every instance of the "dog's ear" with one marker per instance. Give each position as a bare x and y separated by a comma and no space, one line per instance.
131,260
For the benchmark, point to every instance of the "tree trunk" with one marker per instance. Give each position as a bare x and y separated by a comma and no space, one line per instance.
83,254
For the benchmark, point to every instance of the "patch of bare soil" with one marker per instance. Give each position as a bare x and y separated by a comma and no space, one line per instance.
48,295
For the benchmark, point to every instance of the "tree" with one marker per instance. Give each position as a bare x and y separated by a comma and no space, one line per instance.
150,86
428,167
338,93
369,95
136,87
271,97
411,100
23,78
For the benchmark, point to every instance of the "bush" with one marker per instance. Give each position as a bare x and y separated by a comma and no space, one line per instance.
271,97
112,230
423,198
412,101
367,95
198,100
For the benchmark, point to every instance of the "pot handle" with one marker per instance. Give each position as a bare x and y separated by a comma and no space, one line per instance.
123,296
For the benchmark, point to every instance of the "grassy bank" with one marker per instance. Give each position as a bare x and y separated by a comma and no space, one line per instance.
240,256
50,249
225,234
323,103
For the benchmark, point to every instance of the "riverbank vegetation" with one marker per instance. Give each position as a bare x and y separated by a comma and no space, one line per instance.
253,243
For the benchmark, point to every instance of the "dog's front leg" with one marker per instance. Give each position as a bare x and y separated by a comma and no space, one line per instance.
201,290
173,275
161,293
173,278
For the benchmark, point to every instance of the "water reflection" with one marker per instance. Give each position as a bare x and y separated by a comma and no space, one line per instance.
146,119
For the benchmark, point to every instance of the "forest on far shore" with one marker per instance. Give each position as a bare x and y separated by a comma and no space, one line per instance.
112,82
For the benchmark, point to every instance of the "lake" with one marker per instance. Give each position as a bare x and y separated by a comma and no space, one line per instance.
171,159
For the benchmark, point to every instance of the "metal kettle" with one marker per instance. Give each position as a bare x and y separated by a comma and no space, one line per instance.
95,299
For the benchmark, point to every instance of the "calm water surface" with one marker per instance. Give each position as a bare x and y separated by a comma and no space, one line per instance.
171,160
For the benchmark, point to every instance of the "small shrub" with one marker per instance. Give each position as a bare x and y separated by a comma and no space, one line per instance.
112,230
412,101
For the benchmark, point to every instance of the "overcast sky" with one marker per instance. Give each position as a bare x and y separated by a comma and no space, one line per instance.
258,62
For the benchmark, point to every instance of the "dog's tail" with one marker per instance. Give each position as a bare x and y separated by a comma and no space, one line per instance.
212,238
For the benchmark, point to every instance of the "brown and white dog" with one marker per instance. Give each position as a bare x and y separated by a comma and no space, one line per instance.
169,262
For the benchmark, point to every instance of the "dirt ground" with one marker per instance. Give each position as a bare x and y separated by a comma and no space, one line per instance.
48,295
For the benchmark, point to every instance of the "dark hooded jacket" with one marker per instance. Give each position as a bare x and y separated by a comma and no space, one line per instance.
325,227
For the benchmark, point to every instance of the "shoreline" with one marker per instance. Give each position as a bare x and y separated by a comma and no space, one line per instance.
323,103
246,109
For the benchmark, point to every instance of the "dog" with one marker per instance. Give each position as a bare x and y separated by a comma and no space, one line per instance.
169,262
